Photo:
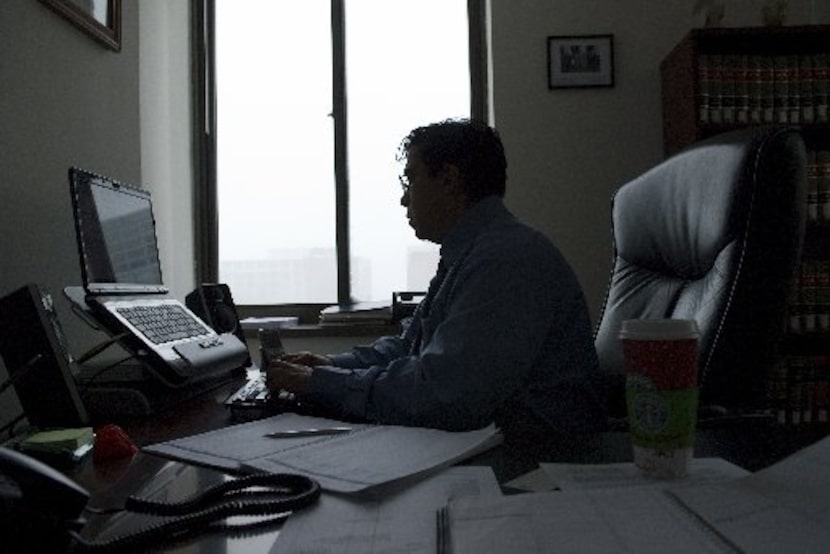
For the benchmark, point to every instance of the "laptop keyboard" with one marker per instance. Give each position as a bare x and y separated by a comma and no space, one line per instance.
162,323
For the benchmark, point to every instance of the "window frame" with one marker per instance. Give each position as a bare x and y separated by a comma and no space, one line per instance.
206,214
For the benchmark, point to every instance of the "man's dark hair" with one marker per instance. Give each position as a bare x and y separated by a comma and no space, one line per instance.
472,146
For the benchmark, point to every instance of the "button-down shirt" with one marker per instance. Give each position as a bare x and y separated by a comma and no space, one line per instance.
507,335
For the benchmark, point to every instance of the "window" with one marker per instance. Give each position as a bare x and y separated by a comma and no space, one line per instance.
303,106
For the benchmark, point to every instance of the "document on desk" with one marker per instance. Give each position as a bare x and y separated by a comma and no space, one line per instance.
566,477
396,519
637,519
783,508
605,476
365,457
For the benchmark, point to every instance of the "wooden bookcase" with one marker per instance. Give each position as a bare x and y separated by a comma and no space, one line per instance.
717,79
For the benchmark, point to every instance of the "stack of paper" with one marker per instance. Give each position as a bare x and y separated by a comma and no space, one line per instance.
367,456
70,444
784,508
358,313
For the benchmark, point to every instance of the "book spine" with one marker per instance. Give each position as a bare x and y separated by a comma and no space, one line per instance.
808,294
823,185
742,90
823,296
806,96
777,389
767,76
755,80
728,88
781,88
704,80
821,86
716,89
794,91
795,383
812,185
795,303
822,388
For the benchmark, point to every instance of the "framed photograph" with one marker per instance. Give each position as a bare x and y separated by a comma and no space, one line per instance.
581,61
100,19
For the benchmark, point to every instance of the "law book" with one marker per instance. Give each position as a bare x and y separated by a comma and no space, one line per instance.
808,294
793,90
742,89
704,86
781,89
767,78
821,389
755,85
795,389
795,303
777,389
821,86
823,195
715,89
728,88
813,177
805,80
823,296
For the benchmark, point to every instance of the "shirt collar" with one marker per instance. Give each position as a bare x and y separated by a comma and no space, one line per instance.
475,219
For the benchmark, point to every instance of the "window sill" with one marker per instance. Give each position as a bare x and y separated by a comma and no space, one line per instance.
335,330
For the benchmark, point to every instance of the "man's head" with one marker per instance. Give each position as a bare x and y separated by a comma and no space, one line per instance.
449,166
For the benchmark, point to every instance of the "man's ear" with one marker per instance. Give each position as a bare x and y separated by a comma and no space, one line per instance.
453,180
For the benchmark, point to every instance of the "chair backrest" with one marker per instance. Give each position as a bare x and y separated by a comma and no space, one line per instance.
713,234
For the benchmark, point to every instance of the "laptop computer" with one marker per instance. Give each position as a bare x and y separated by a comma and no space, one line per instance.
124,290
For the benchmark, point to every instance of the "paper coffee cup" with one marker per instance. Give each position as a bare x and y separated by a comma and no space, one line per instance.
660,361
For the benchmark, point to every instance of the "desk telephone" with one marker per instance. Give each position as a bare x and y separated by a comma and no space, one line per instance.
38,504
42,508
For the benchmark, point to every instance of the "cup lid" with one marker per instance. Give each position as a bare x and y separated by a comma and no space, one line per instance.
659,329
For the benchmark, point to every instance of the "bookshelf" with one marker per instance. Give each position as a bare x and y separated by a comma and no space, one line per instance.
717,79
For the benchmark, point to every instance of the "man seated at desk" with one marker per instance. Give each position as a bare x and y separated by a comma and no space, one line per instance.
503,333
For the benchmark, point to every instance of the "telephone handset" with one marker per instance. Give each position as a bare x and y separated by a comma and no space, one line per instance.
37,502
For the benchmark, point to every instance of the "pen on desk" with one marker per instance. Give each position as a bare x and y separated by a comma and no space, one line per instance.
292,433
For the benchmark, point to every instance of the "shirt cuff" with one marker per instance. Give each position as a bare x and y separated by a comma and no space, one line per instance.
341,391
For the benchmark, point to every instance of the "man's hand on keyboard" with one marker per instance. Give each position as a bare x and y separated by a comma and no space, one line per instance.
306,358
288,376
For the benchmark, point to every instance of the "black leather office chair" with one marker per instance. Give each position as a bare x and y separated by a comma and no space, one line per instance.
711,234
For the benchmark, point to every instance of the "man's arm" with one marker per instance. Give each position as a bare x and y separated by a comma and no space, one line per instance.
499,311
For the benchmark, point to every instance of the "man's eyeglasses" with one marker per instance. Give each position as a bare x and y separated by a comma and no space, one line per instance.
405,184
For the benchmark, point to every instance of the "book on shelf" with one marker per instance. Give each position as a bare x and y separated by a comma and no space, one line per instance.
763,88
821,86
809,302
799,390
813,178
704,82
358,313
805,80
823,185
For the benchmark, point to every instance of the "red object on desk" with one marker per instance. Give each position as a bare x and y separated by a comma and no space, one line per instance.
112,443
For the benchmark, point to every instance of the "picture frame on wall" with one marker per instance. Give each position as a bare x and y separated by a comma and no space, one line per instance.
100,19
580,61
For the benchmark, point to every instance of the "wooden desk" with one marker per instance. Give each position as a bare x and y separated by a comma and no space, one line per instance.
751,445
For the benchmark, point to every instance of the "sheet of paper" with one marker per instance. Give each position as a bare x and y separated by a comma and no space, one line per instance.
783,508
631,519
532,481
401,520
368,456
602,476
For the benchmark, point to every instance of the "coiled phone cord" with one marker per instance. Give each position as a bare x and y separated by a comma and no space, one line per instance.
250,495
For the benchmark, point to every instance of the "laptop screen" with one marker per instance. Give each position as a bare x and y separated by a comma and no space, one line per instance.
116,235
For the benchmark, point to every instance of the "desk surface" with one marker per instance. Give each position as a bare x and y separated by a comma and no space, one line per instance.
751,445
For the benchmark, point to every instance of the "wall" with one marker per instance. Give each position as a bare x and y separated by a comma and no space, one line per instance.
569,149
64,100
